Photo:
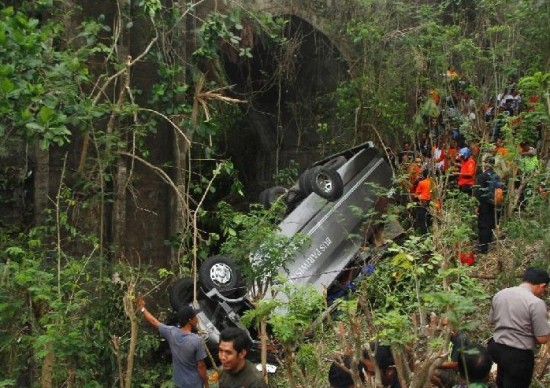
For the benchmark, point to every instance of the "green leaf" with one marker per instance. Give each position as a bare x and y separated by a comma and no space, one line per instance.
6,85
45,114
26,114
35,127
14,251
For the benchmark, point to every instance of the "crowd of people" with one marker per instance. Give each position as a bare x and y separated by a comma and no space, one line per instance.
477,162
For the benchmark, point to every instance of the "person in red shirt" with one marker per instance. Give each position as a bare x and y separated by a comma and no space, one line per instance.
466,175
500,149
423,188
423,194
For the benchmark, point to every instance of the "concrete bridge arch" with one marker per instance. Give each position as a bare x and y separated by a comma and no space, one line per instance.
283,124
329,17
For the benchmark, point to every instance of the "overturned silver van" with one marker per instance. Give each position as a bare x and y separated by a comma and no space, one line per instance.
334,203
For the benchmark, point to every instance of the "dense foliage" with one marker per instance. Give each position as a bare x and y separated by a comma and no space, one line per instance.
66,90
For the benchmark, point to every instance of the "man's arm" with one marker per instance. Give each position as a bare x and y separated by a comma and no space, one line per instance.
542,339
201,366
539,320
449,365
491,314
146,314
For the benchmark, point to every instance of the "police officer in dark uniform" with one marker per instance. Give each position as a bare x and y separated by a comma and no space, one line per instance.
487,216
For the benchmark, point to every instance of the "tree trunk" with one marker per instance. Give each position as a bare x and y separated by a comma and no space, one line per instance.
41,184
181,146
129,297
121,173
263,333
119,208
47,368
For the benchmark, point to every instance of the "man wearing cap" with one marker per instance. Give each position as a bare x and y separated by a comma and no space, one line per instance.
521,323
466,176
188,351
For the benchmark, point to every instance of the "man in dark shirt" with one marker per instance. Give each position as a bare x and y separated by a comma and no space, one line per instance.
236,370
406,155
486,217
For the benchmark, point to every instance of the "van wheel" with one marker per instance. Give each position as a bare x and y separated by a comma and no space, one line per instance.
293,197
327,183
181,293
304,181
220,272
269,196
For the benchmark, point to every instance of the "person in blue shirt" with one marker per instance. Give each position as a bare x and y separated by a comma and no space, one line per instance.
188,350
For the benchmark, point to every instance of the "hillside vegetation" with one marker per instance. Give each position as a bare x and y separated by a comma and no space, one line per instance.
85,109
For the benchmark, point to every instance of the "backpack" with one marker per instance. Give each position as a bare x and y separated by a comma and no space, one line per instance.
495,191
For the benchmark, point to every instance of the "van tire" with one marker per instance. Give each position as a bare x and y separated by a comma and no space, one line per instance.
269,196
327,184
220,272
293,197
181,292
304,181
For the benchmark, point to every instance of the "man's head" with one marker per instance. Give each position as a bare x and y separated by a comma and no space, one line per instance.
187,315
384,359
465,153
425,173
446,323
488,162
538,278
474,363
233,348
